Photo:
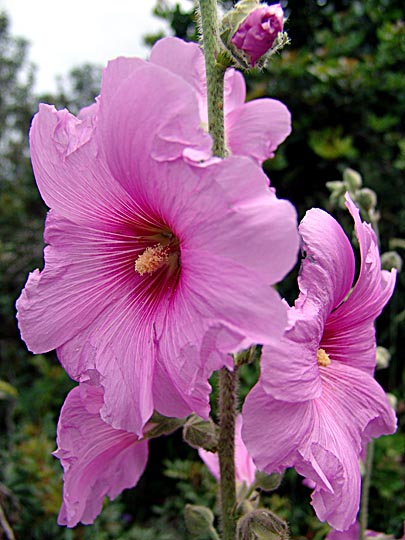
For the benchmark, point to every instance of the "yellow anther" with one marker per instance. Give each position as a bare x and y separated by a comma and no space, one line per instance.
152,259
323,358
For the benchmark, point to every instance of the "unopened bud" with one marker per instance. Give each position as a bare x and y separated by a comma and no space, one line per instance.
251,30
199,433
390,260
262,525
199,519
353,179
393,400
383,357
267,482
367,199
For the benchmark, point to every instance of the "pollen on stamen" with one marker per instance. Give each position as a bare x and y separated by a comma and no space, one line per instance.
323,358
152,259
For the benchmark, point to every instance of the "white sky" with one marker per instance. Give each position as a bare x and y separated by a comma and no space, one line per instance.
67,33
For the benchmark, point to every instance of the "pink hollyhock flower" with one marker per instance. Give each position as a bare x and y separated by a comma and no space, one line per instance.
353,533
253,129
155,268
97,459
258,31
245,469
317,404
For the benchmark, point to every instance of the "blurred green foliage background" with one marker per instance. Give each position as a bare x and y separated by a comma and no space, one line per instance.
342,78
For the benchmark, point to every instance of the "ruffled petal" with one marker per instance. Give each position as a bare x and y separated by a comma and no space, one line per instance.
289,369
187,61
327,270
355,317
97,459
257,313
321,438
273,430
116,351
257,128
137,125
85,270
72,177
188,355
247,223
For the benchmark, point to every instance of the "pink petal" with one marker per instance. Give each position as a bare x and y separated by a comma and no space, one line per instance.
351,325
245,469
289,369
260,228
211,460
257,128
97,459
321,438
83,267
71,177
137,103
187,61
327,271
116,351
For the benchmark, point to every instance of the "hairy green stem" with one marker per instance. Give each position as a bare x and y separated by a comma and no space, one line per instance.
215,75
365,490
226,450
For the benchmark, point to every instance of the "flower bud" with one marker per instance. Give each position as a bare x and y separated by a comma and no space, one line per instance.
161,425
352,179
262,525
267,482
393,401
390,260
199,519
251,29
367,199
199,433
383,357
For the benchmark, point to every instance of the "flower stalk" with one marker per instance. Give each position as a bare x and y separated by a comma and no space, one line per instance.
365,490
226,450
215,72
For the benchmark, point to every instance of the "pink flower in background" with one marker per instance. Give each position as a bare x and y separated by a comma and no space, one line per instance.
253,129
317,404
155,268
245,469
258,31
97,459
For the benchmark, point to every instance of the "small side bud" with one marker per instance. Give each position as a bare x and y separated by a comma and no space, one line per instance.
252,31
367,199
390,260
262,525
352,179
383,357
199,433
199,520
267,482
393,400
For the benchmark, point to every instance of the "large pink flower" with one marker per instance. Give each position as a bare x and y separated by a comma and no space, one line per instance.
155,268
253,129
317,403
97,459
245,469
